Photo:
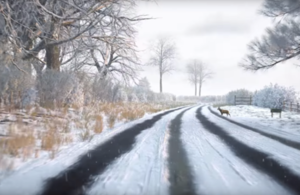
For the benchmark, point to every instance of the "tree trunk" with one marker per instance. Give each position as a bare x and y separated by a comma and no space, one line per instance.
160,83
52,57
53,51
160,77
200,87
195,88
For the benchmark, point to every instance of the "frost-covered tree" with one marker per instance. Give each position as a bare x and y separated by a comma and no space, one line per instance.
281,8
15,86
122,95
273,96
212,98
55,32
281,42
144,84
151,97
133,97
142,89
60,88
164,97
104,90
188,98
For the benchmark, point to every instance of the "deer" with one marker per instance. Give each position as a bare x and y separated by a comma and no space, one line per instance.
224,111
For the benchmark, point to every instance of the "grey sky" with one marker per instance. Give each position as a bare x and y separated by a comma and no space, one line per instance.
216,32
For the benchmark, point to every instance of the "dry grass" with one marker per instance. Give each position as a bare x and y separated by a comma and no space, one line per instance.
18,144
48,141
132,114
111,119
67,139
98,127
66,128
54,130
85,134
127,111
51,137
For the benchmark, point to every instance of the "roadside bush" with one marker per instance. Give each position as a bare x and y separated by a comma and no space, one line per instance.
60,88
15,85
104,90
273,96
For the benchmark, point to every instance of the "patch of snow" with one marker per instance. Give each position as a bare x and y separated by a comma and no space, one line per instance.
287,156
261,118
216,169
28,183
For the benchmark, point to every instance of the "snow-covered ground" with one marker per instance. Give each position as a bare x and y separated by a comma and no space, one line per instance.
145,169
72,130
284,154
261,118
36,170
217,169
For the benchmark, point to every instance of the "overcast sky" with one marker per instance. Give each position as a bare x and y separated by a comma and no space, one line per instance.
216,32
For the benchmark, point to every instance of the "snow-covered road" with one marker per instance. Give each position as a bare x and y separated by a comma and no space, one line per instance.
183,151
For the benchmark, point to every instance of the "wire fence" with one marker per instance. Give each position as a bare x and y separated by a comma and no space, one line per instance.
291,106
286,106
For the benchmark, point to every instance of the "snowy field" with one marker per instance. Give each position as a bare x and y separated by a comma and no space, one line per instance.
261,118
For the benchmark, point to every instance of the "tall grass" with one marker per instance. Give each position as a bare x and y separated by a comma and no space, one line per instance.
53,127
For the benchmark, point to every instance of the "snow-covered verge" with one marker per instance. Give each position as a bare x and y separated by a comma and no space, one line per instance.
40,169
38,135
261,118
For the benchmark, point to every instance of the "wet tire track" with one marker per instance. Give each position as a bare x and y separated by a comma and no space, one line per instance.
253,157
280,139
180,173
79,176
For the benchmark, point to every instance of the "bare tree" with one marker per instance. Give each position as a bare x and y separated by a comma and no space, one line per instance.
281,43
163,54
116,55
34,26
204,74
193,73
198,73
